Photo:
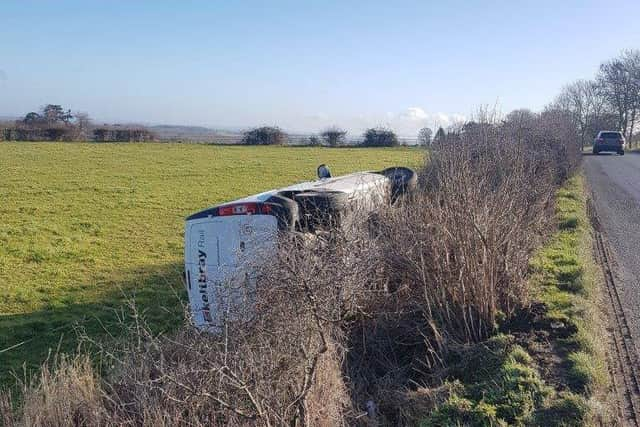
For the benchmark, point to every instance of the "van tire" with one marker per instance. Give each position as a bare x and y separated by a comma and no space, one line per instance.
403,181
286,211
621,152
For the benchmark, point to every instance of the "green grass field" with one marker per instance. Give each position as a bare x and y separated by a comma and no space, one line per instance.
84,226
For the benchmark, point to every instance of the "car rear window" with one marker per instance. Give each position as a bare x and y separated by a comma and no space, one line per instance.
610,135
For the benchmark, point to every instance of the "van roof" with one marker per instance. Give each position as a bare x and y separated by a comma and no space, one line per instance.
350,183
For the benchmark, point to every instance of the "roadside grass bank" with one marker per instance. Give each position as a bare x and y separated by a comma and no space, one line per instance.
569,283
548,366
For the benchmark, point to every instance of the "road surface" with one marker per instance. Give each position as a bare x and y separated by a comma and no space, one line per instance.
615,185
614,182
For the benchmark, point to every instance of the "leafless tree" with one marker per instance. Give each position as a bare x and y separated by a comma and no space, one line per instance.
440,135
81,127
585,101
520,124
619,79
425,135
334,136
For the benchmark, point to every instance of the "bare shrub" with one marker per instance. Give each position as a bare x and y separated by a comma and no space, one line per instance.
265,135
66,394
334,136
279,364
380,137
315,141
454,257
7,417
117,133
53,123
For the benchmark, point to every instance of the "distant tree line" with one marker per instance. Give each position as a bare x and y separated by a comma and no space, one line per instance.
332,137
610,101
54,123
117,133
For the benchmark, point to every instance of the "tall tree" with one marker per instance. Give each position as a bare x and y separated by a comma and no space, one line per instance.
54,114
334,136
619,79
586,102
82,124
572,99
440,135
425,136
520,124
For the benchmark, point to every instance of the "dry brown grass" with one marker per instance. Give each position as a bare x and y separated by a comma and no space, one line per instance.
69,393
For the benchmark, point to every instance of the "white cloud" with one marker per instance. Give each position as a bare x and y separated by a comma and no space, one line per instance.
405,123
458,117
318,117
415,113
412,119
442,118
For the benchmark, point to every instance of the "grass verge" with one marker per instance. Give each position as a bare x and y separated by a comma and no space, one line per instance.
568,282
547,367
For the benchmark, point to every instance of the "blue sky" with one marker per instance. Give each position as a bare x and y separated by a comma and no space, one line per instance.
302,65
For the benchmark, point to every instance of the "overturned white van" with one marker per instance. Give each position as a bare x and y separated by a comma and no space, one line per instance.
226,244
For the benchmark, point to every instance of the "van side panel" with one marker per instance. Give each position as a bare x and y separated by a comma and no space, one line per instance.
222,255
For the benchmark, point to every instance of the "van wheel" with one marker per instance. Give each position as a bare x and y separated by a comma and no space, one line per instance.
286,211
621,152
403,181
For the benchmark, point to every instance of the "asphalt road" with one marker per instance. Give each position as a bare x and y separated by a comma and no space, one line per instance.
615,185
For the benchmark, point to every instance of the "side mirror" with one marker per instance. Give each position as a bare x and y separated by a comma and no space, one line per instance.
324,172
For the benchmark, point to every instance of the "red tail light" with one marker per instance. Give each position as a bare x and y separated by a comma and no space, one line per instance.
244,209
238,209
